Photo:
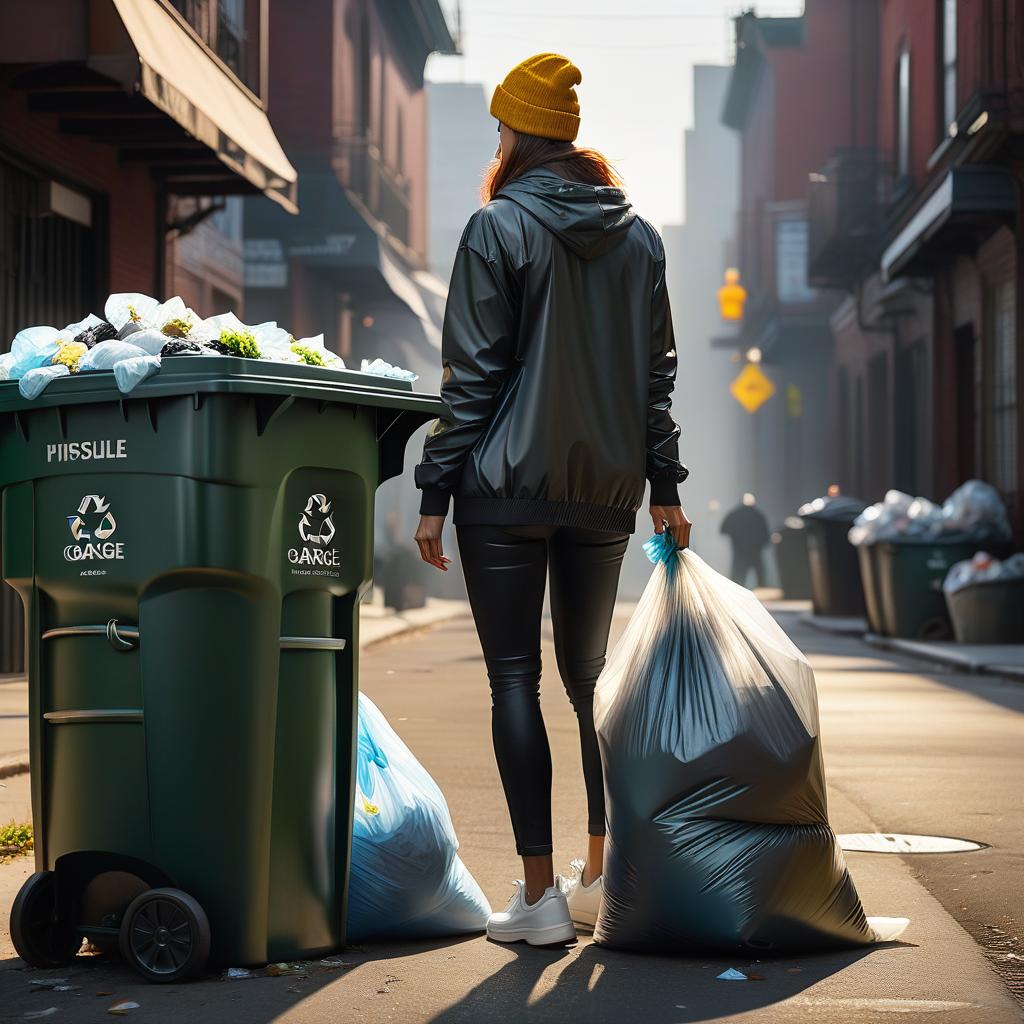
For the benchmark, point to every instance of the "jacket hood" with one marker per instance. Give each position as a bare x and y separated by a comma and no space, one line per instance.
588,219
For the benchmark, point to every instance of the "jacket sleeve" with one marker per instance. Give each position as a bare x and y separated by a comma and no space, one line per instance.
478,356
664,469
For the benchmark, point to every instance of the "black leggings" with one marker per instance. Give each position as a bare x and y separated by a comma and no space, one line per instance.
505,568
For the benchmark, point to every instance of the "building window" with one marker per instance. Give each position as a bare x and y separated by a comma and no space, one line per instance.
791,261
1000,391
947,73
903,112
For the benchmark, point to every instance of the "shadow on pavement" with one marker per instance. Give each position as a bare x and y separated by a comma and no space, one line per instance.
594,984
586,984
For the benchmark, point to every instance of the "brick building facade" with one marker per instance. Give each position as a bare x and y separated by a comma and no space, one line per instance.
918,225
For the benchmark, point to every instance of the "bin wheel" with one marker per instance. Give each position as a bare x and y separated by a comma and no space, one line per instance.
39,938
165,935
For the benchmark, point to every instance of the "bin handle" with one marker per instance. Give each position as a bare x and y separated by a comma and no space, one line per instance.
122,638
126,638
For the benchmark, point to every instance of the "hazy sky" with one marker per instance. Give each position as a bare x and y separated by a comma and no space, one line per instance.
636,91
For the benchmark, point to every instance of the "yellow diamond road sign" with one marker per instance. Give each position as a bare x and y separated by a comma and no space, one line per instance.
752,388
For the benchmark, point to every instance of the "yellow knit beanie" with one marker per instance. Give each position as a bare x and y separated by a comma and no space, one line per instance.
538,98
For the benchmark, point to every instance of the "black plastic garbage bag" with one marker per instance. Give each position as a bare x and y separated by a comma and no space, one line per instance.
718,834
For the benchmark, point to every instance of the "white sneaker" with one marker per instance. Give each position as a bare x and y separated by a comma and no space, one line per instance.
584,900
544,923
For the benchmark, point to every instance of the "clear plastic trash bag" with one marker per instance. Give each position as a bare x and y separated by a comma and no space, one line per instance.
406,880
31,348
718,834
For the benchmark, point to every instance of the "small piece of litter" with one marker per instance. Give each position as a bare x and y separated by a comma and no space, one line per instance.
232,973
793,970
732,975
280,970
755,977
331,964
45,983
66,988
123,1009
36,1014
104,993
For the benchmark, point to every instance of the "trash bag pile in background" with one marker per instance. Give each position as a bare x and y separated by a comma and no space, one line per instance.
138,332
974,512
983,568
407,880
718,834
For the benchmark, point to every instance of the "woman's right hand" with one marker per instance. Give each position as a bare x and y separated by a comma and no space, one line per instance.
675,519
428,539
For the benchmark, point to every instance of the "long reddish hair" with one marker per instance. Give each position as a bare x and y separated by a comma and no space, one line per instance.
576,163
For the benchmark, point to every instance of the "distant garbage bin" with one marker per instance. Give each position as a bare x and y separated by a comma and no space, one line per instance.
988,612
836,587
985,597
867,556
909,580
191,560
791,556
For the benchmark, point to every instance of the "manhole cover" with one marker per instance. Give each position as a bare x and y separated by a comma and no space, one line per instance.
895,842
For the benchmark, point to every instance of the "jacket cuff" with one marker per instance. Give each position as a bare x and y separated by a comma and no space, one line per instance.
665,491
434,502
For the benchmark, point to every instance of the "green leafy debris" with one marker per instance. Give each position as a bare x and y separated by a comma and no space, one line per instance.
308,355
242,343
15,839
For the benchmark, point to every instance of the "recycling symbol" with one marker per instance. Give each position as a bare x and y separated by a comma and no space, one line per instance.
316,525
91,505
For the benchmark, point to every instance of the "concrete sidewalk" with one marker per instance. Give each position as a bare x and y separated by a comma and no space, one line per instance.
433,689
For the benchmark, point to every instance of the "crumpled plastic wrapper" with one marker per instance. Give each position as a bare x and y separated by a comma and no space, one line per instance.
718,832
382,368
35,381
130,373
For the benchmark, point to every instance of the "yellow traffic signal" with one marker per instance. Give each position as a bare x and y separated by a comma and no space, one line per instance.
732,296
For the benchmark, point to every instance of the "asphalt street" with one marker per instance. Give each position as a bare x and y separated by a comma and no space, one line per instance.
907,749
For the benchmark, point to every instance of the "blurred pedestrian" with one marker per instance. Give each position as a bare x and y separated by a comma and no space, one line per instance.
559,364
747,529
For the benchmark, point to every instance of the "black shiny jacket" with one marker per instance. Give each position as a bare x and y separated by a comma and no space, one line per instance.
559,364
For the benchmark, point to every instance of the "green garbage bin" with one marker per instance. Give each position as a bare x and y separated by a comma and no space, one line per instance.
191,558
909,585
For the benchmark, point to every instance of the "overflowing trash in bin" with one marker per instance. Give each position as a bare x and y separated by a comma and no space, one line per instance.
984,568
407,880
973,512
718,833
138,332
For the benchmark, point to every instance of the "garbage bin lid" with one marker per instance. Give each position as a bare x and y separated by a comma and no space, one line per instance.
181,375
841,507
